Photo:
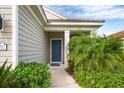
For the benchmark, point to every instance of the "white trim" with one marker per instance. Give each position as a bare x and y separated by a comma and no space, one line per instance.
51,49
14,35
72,29
46,9
66,51
42,13
77,23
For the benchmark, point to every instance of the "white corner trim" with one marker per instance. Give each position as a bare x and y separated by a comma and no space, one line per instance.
14,35
61,49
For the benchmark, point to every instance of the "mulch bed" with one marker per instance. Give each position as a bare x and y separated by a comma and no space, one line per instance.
68,70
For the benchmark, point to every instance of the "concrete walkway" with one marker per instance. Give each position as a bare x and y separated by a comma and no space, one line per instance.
61,79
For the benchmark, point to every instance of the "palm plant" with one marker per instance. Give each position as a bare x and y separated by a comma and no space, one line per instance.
6,75
92,53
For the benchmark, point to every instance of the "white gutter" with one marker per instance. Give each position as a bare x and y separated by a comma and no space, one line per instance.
76,23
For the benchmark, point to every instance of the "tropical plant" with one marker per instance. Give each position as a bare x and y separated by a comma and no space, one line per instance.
96,62
6,75
92,53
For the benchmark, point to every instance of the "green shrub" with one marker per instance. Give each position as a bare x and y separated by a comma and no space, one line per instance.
96,62
99,79
6,75
95,53
31,75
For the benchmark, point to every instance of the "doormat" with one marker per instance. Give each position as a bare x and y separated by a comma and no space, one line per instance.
55,64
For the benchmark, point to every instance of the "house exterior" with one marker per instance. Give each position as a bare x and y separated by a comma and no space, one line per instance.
6,34
35,33
119,34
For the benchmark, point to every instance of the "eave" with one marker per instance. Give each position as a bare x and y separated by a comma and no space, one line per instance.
73,26
38,14
62,25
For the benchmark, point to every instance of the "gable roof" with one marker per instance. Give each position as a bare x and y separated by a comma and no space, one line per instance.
119,34
55,17
63,24
51,14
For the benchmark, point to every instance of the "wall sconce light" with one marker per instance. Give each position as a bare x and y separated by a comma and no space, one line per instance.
1,23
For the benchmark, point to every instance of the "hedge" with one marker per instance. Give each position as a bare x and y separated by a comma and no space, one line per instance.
31,75
96,62
99,79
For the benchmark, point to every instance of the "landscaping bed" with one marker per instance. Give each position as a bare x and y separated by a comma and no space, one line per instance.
96,62
99,79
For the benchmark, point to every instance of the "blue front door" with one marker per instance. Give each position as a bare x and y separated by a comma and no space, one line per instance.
56,50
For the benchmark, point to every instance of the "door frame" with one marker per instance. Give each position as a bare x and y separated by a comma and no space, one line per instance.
51,49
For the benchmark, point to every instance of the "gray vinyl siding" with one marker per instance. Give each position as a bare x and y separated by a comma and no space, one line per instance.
33,41
6,34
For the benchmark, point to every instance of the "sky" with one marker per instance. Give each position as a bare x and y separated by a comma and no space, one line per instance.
112,14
